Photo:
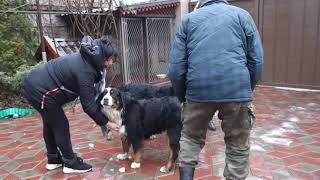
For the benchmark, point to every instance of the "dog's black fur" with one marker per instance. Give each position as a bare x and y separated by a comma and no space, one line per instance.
145,91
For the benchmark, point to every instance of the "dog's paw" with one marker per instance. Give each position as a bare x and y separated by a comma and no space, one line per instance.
135,165
153,137
163,169
109,136
122,156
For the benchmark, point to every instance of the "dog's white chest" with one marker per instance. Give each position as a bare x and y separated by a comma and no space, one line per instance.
113,115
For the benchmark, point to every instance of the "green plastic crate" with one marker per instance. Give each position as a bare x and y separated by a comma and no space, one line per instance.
14,112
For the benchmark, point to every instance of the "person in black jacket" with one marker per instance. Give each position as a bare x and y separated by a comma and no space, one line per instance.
61,80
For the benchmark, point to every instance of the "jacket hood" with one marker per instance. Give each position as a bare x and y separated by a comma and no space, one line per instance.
96,51
203,3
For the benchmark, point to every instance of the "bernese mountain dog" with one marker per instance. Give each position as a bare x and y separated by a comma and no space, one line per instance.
138,91
142,111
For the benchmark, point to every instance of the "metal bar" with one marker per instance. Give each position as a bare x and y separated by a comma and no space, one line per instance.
150,16
43,48
145,51
13,9
51,27
48,12
124,45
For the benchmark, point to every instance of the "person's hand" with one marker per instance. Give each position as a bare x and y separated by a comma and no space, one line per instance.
113,126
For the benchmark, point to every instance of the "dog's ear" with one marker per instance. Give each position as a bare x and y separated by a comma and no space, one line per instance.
115,93
100,97
126,99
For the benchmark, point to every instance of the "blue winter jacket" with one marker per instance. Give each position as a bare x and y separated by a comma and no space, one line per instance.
217,55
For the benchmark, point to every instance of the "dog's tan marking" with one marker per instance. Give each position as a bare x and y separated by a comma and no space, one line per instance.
137,157
125,144
173,154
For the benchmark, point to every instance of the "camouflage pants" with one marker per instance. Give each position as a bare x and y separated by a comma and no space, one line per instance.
237,121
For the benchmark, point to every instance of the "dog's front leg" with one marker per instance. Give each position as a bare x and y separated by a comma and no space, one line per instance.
138,154
126,147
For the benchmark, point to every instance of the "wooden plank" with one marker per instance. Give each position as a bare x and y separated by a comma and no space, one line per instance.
256,12
295,41
268,33
260,17
309,50
317,63
282,39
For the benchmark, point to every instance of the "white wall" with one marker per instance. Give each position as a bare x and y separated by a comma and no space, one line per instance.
181,11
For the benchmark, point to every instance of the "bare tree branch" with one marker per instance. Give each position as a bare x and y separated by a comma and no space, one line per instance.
91,24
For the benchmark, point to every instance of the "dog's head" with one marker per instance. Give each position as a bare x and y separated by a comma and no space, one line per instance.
111,97
114,103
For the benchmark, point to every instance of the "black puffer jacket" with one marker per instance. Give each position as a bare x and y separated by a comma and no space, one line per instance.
63,79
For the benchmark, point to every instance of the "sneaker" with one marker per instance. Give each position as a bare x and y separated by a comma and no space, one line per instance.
76,165
54,161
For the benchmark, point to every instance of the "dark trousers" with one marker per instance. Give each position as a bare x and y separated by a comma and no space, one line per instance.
237,121
56,132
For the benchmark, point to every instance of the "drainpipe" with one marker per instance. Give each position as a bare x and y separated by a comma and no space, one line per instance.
180,12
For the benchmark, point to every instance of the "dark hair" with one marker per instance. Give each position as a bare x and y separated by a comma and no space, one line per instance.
108,49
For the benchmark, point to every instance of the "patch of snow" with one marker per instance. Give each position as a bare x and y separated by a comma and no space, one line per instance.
277,141
297,89
91,146
122,170
256,147
294,119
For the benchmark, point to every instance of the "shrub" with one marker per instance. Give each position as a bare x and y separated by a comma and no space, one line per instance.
17,44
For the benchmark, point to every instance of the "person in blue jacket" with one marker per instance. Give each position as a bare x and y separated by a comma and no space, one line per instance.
49,86
215,63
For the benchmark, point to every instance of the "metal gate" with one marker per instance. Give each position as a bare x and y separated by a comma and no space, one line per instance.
145,47
132,47
158,43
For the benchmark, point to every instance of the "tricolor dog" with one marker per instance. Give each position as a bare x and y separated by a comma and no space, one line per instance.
141,118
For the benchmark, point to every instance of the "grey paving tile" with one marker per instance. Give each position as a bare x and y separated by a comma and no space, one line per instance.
305,167
28,173
27,154
10,166
5,143
135,176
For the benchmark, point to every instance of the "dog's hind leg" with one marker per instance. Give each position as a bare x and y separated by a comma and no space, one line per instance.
126,147
174,137
173,155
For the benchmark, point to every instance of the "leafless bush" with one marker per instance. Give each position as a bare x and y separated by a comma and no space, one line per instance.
92,17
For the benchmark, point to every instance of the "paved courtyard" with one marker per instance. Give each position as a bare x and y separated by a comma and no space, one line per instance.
285,144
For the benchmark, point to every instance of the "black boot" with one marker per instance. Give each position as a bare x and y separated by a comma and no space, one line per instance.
211,126
186,173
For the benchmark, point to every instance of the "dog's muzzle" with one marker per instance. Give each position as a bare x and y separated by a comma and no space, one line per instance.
107,99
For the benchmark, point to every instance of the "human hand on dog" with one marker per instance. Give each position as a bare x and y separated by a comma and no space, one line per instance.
113,126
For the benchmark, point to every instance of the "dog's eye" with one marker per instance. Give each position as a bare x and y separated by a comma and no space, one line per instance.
113,92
